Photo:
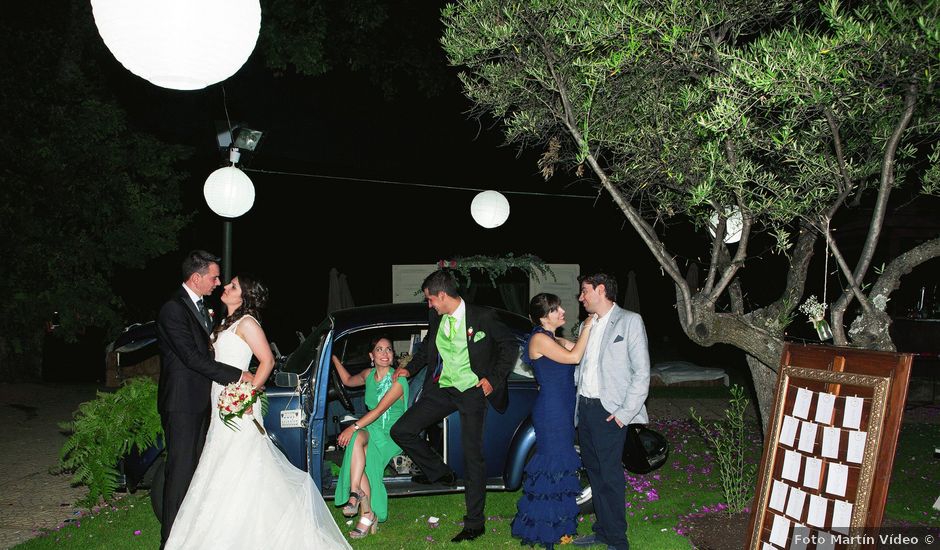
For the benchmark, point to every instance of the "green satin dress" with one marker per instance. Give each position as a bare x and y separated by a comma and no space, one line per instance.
380,448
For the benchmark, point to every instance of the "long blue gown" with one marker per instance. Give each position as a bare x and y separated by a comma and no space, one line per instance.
548,509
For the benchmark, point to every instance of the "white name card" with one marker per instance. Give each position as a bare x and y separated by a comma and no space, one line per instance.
824,405
807,436
788,430
831,438
779,531
791,465
778,495
818,506
812,473
856,448
838,476
841,516
852,416
801,405
795,504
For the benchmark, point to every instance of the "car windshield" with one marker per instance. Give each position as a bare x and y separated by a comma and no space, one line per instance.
308,351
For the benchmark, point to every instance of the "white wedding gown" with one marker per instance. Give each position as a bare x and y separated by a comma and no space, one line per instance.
245,494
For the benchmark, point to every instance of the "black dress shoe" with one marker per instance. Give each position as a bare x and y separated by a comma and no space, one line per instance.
468,533
449,479
421,478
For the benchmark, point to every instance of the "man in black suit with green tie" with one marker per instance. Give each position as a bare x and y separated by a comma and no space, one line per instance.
470,354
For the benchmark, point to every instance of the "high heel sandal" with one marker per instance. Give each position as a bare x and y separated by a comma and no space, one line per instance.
367,525
352,508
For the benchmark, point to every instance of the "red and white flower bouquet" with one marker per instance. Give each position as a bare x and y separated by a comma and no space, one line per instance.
237,399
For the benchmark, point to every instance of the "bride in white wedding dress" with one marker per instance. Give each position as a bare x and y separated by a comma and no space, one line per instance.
245,494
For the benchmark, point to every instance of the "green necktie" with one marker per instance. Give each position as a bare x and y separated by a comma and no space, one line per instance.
452,323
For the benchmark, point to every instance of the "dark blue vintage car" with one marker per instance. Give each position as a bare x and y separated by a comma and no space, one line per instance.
309,406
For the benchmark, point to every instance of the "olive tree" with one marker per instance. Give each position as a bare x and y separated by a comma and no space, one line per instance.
789,115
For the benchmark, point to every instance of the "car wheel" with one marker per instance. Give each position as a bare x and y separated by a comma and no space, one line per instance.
585,500
156,488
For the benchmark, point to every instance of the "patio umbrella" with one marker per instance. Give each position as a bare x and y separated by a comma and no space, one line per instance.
691,277
632,300
339,296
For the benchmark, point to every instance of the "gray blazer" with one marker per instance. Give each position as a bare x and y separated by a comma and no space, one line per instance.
624,367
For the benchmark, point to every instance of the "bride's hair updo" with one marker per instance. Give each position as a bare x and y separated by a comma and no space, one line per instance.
254,298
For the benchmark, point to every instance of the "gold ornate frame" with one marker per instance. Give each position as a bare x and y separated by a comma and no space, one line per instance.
880,386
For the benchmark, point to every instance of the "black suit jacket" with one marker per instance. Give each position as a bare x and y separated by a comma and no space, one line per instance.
491,357
187,368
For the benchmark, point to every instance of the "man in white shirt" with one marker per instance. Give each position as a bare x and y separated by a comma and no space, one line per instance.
613,382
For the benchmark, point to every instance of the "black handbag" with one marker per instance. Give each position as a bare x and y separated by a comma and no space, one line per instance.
644,450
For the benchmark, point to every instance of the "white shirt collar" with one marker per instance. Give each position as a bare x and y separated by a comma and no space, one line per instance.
192,295
606,315
460,313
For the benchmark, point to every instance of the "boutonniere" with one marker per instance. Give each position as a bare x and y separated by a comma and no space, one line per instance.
211,314
469,332
479,336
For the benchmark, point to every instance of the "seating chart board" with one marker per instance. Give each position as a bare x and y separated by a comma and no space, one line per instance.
830,446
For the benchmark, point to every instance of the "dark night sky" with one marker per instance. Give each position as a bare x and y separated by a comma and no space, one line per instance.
342,125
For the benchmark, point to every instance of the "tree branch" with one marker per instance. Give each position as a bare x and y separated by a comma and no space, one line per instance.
890,278
881,204
645,231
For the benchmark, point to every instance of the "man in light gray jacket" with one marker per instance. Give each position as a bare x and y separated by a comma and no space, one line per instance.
613,381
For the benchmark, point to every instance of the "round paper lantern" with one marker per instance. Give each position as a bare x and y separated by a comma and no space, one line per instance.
179,44
733,225
489,209
229,192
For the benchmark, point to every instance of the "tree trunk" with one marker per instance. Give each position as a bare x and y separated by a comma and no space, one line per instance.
762,347
765,380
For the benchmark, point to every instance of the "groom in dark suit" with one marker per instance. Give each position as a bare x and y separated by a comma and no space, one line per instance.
186,374
469,353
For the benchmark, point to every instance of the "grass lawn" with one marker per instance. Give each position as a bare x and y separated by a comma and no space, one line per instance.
655,507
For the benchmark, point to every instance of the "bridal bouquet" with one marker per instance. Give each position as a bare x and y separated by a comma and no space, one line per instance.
237,399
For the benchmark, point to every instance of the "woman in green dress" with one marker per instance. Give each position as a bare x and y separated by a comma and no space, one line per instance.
368,444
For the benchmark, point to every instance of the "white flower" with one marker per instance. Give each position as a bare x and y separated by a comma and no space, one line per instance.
813,309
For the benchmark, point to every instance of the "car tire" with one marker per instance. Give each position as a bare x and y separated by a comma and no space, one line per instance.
156,488
585,500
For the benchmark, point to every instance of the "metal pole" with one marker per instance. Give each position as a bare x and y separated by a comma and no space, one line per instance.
226,251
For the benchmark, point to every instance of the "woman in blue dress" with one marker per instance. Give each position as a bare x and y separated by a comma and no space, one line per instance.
548,510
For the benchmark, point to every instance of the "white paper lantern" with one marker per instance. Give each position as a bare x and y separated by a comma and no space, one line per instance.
229,192
179,44
733,225
489,209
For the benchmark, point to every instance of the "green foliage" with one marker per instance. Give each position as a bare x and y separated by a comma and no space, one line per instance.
105,430
83,194
392,44
789,111
728,440
703,103
495,266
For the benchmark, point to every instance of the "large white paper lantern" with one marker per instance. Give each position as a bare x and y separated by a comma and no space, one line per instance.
229,192
489,209
179,44
733,224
